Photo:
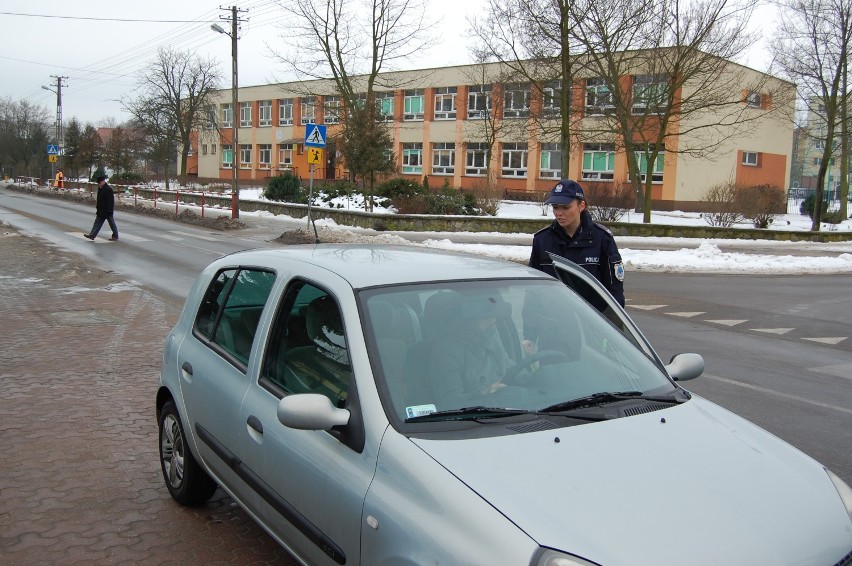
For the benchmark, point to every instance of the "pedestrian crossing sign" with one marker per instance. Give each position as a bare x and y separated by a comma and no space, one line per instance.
315,135
53,149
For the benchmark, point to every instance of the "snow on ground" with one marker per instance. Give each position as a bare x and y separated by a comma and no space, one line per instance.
643,254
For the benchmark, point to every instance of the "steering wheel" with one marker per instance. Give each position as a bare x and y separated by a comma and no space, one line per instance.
544,357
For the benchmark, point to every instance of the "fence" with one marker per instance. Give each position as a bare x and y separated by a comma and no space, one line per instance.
797,195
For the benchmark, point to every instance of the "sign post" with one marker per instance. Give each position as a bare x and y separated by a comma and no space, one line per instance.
314,139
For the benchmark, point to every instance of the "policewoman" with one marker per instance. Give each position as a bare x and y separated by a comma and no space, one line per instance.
574,236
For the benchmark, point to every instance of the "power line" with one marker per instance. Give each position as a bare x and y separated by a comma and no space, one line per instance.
98,19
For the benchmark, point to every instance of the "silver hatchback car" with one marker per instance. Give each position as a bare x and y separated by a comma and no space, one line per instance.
394,405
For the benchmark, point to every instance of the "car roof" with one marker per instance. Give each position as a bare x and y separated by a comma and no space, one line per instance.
365,266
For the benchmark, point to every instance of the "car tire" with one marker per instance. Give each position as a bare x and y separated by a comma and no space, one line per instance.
187,482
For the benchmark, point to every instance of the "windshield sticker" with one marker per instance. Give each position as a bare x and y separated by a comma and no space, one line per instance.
418,410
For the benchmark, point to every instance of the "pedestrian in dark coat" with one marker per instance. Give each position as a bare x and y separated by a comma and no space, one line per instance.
576,237
104,210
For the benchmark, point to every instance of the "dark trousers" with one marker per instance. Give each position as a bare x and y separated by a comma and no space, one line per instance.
99,221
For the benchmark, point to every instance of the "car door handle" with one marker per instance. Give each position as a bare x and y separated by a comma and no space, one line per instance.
255,423
187,367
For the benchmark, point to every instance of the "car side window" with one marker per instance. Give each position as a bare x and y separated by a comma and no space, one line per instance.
307,352
231,309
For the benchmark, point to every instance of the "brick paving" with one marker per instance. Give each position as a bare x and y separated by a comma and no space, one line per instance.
80,480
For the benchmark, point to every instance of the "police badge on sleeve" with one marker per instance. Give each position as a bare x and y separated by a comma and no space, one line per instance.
618,269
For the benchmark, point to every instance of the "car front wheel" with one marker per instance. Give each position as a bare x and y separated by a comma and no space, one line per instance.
187,482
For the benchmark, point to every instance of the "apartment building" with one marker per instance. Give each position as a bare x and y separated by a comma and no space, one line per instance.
440,120
809,146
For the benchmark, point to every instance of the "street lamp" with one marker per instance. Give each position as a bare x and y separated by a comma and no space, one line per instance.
235,207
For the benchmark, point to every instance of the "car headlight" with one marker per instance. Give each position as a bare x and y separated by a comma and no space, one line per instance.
843,490
548,557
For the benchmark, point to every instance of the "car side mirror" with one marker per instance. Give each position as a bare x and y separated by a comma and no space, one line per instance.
310,411
684,367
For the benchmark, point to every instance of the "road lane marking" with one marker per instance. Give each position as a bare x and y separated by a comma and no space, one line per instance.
198,236
841,370
778,393
105,237
773,330
646,307
728,322
685,314
833,341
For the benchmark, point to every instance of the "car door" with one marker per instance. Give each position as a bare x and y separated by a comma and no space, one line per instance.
313,482
585,285
214,361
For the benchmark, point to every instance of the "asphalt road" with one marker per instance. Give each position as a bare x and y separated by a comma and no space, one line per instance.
778,349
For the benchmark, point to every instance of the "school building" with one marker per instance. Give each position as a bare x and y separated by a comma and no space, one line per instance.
440,120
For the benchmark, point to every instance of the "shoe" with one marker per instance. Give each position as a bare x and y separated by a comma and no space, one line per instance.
89,236
114,239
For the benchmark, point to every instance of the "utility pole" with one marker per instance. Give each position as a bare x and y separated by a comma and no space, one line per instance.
58,125
235,109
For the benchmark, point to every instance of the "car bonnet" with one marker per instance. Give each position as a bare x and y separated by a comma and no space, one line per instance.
690,484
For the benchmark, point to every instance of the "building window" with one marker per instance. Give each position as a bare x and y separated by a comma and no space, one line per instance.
551,103
751,158
443,158
656,169
245,156
264,113
550,161
285,155
309,110
413,105
599,99
650,94
264,156
331,109
476,159
384,103
204,149
227,116
209,118
514,160
213,149
412,158
227,156
753,99
478,102
598,162
445,103
285,112
245,115
516,101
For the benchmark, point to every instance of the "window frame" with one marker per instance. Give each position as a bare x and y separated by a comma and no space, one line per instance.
546,152
514,157
264,113
594,151
285,149
655,85
331,107
410,98
264,156
444,158
747,162
599,100
474,152
308,108
445,96
479,95
227,115
285,111
412,158
227,149
516,100
245,115
245,151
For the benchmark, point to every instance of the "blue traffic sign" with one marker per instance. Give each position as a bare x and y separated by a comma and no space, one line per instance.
53,149
315,135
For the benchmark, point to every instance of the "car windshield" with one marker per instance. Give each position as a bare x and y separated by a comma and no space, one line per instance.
517,344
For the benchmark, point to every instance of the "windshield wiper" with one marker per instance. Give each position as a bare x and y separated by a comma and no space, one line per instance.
480,412
610,397
467,413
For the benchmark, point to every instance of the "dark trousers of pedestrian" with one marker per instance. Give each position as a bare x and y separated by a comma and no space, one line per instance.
99,221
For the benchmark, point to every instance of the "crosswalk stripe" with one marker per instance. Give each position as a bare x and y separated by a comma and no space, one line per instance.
685,314
646,307
728,322
196,236
832,341
105,237
773,330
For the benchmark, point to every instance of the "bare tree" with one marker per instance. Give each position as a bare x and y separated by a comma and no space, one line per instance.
25,130
177,88
812,48
351,43
685,88
533,39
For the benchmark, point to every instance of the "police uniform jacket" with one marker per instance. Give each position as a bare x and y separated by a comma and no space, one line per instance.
592,248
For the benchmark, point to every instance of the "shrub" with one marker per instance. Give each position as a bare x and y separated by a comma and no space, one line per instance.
608,202
722,206
761,204
127,178
809,204
97,173
285,187
398,186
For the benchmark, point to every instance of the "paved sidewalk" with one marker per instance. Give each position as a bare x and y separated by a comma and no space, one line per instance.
80,482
